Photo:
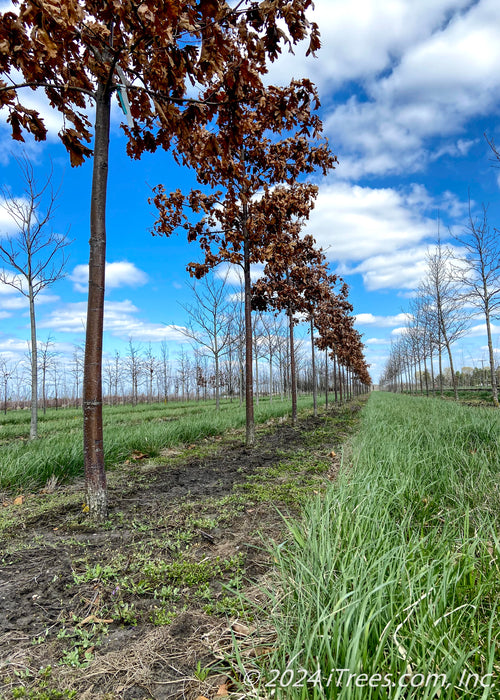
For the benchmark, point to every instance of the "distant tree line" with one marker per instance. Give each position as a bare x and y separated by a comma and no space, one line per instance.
212,366
461,287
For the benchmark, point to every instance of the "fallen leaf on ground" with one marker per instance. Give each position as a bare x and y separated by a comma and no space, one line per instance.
18,501
241,629
223,691
260,651
97,620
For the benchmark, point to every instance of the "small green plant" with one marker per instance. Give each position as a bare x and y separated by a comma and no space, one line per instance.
201,672
98,572
83,641
161,616
125,613
167,594
231,606
42,690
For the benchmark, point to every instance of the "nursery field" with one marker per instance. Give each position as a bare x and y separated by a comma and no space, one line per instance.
353,556
145,429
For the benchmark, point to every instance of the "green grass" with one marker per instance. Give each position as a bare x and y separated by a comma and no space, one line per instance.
395,570
147,428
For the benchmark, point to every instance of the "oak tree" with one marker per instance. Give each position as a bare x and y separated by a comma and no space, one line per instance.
247,159
153,55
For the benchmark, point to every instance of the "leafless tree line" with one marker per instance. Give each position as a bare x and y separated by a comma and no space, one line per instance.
144,374
461,287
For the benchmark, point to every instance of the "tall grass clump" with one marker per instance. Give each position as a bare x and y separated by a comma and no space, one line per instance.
147,428
393,575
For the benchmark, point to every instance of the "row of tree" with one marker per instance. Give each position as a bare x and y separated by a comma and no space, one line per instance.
189,77
142,376
461,286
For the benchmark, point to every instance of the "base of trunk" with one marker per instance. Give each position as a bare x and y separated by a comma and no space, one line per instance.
97,502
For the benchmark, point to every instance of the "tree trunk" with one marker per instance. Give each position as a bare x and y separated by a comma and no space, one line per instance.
335,377
270,377
217,381
293,378
95,476
493,377
426,377
452,370
250,424
326,379
313,364
256,373
34,367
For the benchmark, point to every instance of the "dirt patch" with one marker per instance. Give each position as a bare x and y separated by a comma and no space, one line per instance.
144,606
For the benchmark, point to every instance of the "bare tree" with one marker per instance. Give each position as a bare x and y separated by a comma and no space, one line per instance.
165,369
443,300
208,325
34,255
46,363
134,366
477,271
77,370
7,369
150,364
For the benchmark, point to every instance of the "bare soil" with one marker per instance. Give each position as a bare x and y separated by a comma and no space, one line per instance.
149,604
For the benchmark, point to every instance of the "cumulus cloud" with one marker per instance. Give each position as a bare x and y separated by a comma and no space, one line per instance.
120,319
376,341
13,300
480,329
352,222
367,319
118,274
442,78
363,39
401,270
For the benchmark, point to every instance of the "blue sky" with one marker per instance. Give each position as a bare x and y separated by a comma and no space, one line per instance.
408,90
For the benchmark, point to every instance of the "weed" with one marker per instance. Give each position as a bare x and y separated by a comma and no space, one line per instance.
161,616
125,613
201,673
82,642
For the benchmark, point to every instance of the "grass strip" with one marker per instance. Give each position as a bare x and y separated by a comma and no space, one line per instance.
147,428
388,586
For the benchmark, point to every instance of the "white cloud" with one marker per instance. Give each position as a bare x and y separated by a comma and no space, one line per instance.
118,274
381,234
353,222
403,269
7,224
367,319
376,341
120,319
437,83
362,39
480,330
13,347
